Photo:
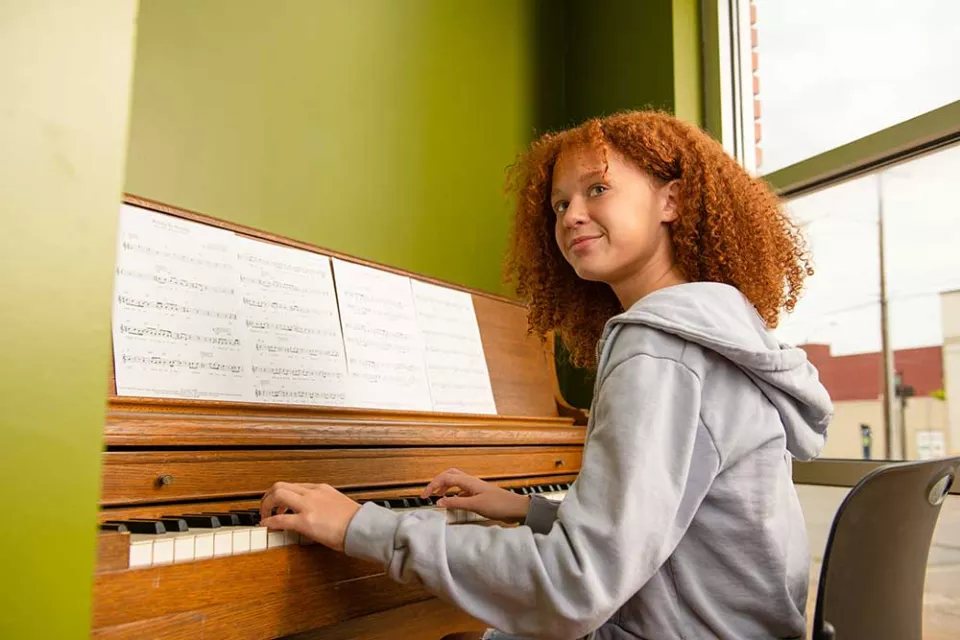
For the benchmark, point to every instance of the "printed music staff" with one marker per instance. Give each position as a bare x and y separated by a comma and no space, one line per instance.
453,350
291,324
177,329
204,313
382,339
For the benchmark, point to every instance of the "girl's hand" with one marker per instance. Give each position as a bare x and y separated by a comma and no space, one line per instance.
317,511
478,496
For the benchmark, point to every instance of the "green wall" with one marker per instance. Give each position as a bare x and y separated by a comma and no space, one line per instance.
63,113
379,128
383,128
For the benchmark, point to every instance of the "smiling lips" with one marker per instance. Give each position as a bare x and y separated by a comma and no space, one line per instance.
581,242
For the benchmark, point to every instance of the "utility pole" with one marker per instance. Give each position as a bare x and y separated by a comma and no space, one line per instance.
889,388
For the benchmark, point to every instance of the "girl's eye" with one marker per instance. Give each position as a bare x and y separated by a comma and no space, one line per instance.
597,189
560,207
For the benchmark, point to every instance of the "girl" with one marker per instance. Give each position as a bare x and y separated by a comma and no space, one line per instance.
637,235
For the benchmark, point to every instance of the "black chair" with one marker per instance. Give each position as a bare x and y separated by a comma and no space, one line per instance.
875,562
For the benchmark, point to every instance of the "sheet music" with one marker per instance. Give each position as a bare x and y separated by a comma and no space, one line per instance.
382,339
291,325
176,322
456,366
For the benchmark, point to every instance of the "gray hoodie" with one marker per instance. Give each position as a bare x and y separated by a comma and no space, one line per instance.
683,521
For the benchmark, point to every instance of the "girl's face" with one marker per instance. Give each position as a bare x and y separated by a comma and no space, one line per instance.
611,227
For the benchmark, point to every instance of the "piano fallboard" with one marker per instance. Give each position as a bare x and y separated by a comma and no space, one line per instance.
132,477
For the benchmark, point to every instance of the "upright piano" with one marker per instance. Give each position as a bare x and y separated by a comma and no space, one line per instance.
180,550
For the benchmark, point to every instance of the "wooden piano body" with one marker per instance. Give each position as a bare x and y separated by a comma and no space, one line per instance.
176,456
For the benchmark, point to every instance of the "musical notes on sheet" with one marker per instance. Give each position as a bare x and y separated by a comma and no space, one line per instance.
176,320
453,351
382,339
291,324
203,313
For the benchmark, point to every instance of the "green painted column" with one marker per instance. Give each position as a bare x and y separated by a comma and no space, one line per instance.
65,79
63,113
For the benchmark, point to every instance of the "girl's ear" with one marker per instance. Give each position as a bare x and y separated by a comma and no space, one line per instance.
670,201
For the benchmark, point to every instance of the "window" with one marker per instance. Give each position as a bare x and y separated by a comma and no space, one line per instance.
851,110
823,73
838,320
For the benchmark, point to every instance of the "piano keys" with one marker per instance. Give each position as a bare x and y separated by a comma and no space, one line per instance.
182,553
190,537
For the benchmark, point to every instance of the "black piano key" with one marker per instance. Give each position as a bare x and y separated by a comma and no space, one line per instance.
248,518
397,503
141,526
434,499
170,524
199,521
114,526
227,519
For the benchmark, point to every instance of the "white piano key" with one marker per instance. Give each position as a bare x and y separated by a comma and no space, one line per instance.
203,546
184,547
222,543
276,539
141,551
162,550
258,539
241,540
292,537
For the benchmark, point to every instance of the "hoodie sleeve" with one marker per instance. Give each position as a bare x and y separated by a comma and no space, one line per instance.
647,465
541,514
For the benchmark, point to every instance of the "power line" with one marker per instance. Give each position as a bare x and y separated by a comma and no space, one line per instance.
875,300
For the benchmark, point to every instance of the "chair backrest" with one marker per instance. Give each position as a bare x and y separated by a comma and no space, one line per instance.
874,565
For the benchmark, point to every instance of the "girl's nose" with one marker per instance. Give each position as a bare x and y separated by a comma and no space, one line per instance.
576,214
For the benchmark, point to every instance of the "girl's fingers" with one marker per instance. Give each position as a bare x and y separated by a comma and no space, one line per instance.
283,522
282,497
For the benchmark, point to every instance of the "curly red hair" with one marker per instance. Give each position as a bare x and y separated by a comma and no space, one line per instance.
730,227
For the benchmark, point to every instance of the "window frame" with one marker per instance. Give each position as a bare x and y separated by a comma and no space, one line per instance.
725,106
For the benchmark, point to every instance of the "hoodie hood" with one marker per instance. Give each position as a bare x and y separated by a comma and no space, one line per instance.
719,318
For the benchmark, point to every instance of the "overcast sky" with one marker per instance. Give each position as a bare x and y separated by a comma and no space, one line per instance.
832,71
